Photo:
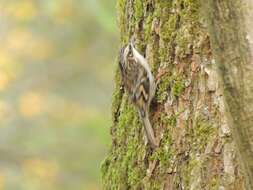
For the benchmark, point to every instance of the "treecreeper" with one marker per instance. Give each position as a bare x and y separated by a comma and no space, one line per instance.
139,84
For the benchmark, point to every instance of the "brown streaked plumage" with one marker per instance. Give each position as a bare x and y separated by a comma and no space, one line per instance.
139,84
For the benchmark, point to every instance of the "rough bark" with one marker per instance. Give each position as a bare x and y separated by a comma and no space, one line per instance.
197,150
232,52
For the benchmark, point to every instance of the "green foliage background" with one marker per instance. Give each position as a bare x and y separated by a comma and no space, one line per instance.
56,65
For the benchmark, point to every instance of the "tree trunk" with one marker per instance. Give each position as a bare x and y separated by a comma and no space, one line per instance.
197,149
229,36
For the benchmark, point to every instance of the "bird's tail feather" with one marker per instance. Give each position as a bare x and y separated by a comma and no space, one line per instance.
149,131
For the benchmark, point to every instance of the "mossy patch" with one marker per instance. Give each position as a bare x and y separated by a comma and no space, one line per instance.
121,7
118,168
164,153
170,85
148,27
163,89
168,121
187,171
178,87
138,10
167,28
201,133
214,183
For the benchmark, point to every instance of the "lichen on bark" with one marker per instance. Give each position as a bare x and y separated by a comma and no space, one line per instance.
186,112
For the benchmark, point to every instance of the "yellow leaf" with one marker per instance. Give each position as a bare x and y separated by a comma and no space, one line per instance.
27,44
19,40
5,110
24,10
2,181
42,49
4,80
30,104
5,58
42,169
63,11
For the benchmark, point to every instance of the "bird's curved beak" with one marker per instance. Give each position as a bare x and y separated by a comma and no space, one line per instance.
130,49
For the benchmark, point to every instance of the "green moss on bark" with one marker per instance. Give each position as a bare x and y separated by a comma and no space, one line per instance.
202,133
138,10
168,28
174,33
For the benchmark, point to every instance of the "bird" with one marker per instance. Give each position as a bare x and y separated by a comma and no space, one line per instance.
139,84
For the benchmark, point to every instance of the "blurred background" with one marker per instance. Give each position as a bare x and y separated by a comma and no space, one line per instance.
56,79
